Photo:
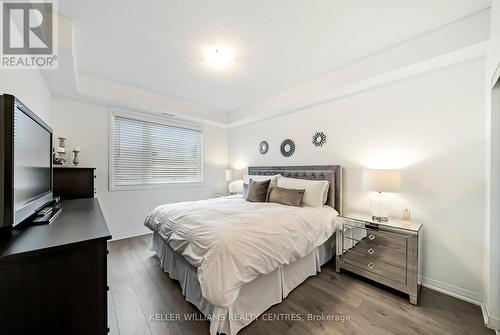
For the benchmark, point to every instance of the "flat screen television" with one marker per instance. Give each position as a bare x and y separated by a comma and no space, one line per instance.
25,162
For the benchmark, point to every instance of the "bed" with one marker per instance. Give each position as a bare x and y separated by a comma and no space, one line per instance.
225,252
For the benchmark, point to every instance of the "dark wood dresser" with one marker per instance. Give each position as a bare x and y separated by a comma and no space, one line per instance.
53,278
74,182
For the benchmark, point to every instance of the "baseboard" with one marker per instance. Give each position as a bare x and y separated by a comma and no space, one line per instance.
494,323
451,290
484,310
490,321
129,234
466,295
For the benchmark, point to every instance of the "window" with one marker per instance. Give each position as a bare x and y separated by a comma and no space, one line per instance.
149,151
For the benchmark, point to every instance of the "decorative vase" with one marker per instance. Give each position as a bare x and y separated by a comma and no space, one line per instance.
62,142
61,155
76,159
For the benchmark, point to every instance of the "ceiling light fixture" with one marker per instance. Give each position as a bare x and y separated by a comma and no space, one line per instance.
219,56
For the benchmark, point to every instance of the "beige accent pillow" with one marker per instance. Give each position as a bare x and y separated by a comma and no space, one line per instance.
285,196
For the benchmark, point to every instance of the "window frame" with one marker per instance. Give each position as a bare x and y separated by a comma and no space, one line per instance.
154,119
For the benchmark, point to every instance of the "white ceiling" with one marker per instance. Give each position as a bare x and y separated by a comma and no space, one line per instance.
157,45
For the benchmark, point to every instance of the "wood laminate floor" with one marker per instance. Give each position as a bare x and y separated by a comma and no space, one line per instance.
139,289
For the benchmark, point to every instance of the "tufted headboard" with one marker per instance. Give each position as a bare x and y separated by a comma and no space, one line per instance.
332,173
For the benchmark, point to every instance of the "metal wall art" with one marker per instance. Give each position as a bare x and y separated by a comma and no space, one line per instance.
263,147
319,139
287,148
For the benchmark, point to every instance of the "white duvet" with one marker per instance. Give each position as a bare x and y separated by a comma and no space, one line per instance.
232,241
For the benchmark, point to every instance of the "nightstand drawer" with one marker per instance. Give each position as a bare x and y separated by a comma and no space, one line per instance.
376,237
371,264
388,255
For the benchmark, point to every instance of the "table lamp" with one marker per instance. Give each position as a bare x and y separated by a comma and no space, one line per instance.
229,176
381,181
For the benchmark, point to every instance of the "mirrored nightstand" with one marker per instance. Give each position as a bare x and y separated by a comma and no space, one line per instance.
386,252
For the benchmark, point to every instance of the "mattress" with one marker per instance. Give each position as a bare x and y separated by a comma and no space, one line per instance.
250,302
240,239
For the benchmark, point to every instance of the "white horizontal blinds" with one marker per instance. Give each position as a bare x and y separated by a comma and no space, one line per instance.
148,153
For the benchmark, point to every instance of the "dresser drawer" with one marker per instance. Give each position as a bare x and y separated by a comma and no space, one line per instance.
374,265
379,252
375,237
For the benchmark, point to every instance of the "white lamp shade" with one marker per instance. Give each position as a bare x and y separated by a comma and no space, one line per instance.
229,175
381,180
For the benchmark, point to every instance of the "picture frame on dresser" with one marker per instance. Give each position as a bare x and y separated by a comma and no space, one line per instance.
388,253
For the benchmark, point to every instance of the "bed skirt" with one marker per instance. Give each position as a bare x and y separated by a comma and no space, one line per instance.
251,301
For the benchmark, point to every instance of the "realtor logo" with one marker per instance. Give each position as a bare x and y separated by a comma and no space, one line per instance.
28,35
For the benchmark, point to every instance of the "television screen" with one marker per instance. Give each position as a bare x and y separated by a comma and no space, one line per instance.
32,163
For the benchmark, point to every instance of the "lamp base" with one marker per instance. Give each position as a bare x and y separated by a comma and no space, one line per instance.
380,218
380,206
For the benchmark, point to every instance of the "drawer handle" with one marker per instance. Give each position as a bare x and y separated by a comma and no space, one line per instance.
371,251
371,266
371,237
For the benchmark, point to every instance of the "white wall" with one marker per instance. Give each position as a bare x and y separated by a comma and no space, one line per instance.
493,233
87,126
29,87
492,166
432,128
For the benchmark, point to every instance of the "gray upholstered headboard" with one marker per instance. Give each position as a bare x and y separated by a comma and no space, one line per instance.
332,173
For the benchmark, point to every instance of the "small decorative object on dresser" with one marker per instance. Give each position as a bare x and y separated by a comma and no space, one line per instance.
60,152
386,252
76,160
287,148
60,156
62,141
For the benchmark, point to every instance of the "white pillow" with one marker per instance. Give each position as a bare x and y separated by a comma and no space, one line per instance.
273,178
316,192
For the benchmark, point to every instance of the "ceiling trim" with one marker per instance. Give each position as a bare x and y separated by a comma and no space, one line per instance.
128,97
97,95
432,64
69,83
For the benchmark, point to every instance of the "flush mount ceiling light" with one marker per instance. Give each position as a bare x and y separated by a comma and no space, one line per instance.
219,56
